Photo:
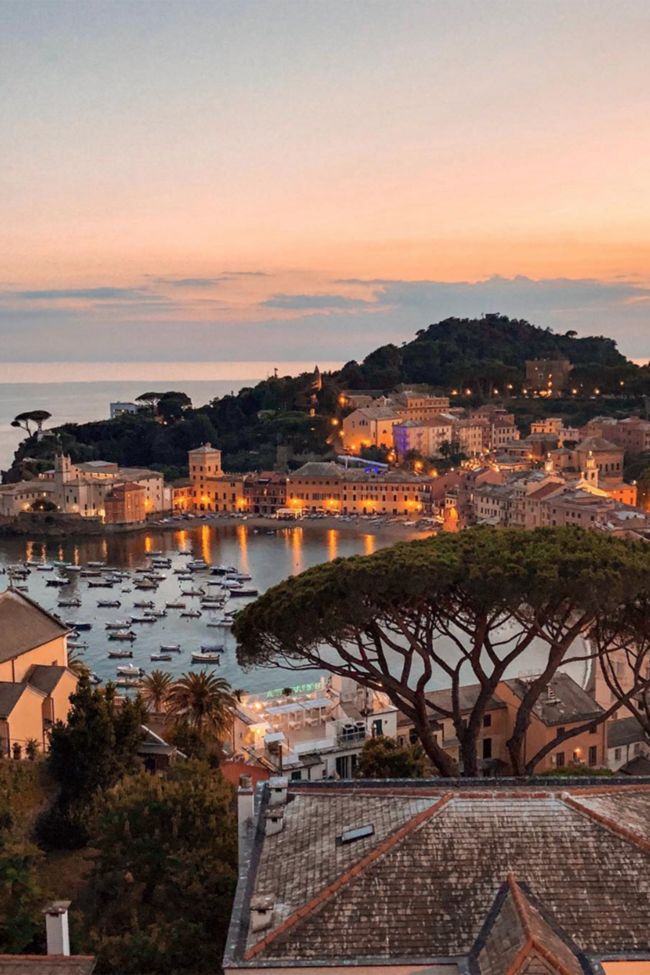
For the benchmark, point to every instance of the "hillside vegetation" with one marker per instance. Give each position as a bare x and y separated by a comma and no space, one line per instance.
480,354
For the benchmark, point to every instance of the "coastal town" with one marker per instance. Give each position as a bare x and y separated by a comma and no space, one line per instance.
325,487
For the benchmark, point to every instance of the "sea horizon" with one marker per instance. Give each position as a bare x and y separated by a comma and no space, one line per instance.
12,373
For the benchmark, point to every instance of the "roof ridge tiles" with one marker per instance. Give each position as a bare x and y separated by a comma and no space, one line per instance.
349,875
611,824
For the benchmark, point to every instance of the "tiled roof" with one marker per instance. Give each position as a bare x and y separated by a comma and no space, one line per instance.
45,677
518,937
564,701
46,964
314,468
24,625
420,888
10,694
625,731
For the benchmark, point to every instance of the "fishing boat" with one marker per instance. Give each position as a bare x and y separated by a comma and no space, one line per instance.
128,682
199,657
130,670
78,625
175,605
117,625
160,657
170,648
144,604
108,603
120,654
122,635
192,614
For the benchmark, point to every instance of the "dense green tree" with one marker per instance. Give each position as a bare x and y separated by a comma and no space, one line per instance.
455,609
21,920
384,758
165,872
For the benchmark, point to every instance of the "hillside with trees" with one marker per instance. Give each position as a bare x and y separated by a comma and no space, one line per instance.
479,355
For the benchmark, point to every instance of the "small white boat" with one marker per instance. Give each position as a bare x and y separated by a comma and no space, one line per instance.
211,648
144,604
159,613
57,582
146,584
118,625
170,648
108,604
120,654
130,670
122,635
95,565
77,645
175,605
193,592
94,678
78,625
72,568
69,603
44,568
192,614
148,618
197,565
160,656
243,592
205,658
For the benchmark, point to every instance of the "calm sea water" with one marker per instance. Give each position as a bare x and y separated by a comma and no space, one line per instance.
78,392
269,558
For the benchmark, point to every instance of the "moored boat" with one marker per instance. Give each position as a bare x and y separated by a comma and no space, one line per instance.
120,654
199,657
108,603
122,635
170,648
78,625
160,656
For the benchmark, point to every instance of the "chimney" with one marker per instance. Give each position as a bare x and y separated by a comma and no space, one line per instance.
56,928
274,821
261,908
278,785
244,813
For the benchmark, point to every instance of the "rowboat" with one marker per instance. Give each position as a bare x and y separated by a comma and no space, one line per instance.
205,658
144,604
170,648
130,670
193,614
160,656
122,635
77,625
108,604
175,605
120,654
117,625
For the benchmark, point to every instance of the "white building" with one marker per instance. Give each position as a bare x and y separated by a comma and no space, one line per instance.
317,731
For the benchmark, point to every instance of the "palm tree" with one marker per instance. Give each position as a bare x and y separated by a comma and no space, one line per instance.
78,666
203,702
155,690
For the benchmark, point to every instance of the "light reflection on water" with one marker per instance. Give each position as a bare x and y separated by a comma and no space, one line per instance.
269,558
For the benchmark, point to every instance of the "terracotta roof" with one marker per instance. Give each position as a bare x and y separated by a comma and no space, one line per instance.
46,964
545,490
420,886
25,625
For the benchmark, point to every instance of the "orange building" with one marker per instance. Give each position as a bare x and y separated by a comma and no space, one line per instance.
125,504
35,681
564,705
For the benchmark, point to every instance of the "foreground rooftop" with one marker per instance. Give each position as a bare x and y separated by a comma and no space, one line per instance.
486,876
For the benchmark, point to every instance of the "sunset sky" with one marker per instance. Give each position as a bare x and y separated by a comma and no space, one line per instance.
306,180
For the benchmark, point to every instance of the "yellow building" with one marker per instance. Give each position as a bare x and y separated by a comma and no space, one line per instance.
35,681
212,490
327,487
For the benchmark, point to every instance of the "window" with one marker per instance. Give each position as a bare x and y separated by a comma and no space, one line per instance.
559,760
617,754
377,727
487,720
593,755
487,748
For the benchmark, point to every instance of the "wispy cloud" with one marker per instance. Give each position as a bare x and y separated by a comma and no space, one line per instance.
101,293
315,301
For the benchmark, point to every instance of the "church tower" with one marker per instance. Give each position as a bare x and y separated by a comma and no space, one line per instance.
590,472
63,469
